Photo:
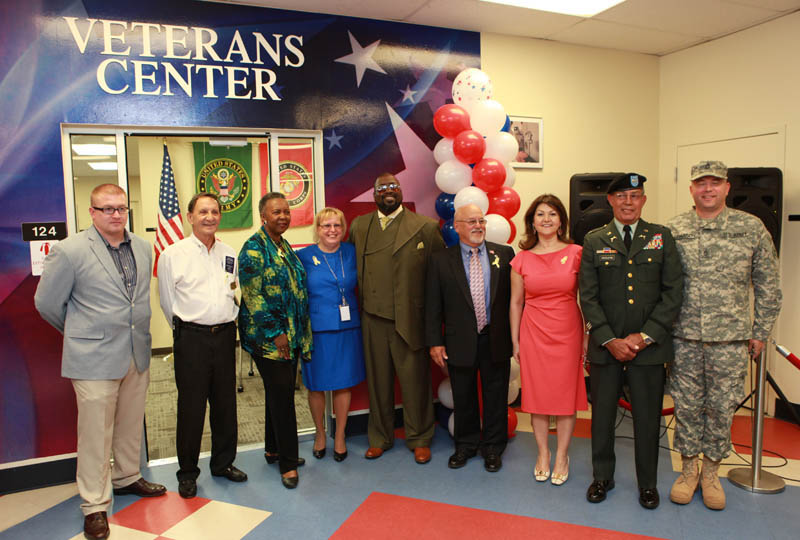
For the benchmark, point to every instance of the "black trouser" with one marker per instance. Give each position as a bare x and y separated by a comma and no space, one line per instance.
646,385
280,420
205,370
494,386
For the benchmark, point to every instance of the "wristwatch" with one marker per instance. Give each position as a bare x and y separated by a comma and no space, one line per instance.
647,339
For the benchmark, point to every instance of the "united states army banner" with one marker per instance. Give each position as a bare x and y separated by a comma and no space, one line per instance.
227,172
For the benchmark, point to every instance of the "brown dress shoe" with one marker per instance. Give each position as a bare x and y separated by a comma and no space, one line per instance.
95,526
373,453
142,488
422,454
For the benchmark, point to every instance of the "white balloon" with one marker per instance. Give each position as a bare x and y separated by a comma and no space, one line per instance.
452,176
511,176
445,393
471,85
513,391
486,117
497,228
501,145
472,195
514,370
451,423
443,151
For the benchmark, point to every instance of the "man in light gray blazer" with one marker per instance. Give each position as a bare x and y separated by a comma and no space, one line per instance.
95,290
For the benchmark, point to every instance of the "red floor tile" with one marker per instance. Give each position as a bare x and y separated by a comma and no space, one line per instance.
390,517
780,437
157,514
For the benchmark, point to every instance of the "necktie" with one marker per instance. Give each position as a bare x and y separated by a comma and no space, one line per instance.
385,220
627,230
476,288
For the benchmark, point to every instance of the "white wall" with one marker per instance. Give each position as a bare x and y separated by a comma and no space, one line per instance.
600,110
742,84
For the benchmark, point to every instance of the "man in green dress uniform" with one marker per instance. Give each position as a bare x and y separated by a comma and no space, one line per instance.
631,288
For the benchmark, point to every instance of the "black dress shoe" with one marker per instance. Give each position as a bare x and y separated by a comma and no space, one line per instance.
598,490
142,488
187,488
339,456
232,473
492,462
319,454
273,458
290,482
648,498
459,459
95,526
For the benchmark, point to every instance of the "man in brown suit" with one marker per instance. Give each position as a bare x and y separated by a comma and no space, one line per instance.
393,246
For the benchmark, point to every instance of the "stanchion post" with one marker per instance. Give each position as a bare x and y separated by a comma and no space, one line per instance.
753,478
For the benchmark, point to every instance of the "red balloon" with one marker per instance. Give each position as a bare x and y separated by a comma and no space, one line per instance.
489,174
513,231
504,201
450,120
512,422
469,146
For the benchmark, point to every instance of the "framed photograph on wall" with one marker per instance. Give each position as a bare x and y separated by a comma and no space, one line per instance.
528,132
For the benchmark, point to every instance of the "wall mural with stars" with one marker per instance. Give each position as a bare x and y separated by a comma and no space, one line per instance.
371,87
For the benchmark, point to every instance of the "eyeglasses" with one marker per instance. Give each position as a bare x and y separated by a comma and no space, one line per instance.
472,222
328,226
109,210
624,195
383,187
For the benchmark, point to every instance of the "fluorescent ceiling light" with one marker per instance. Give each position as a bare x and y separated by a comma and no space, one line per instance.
95,149
227,141
581,8
103,165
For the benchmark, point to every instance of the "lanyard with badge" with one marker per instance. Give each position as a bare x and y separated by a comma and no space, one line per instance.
344,308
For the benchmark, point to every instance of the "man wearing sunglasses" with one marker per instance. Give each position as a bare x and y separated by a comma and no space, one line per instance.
393,246
95,290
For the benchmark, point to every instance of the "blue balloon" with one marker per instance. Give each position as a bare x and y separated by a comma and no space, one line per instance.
507,125
449,233
445,205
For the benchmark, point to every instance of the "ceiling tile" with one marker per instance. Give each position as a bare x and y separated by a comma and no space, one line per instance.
626,38
777,5
706,18
494,18
370,9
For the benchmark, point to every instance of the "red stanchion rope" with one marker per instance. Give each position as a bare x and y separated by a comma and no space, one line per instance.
786,353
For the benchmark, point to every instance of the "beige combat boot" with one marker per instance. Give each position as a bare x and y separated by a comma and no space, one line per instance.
713,496
686,484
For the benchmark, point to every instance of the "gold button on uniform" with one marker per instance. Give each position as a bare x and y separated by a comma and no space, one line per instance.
649,259
606,263
630,287
630,275
630,300
630,261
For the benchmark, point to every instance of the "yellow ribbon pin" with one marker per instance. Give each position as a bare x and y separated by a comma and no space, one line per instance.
496,261
564,259
316,261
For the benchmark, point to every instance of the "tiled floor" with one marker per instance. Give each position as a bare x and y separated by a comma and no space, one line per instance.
394,498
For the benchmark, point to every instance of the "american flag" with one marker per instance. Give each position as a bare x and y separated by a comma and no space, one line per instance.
170,222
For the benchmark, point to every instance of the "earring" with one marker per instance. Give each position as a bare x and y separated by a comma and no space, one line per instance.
559,231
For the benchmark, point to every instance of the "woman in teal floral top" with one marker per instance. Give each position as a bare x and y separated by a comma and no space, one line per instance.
275,328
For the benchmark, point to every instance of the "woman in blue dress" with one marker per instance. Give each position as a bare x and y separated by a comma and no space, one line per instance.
337,361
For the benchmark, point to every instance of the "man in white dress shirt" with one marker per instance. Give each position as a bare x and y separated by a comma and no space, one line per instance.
197,279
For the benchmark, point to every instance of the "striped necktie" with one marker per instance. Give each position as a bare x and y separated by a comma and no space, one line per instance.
476,288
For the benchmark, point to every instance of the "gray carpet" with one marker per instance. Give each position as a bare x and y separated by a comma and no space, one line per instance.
161,408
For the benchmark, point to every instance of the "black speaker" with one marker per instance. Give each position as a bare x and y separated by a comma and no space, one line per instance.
588,206
759,191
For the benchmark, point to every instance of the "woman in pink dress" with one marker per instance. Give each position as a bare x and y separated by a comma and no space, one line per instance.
547,330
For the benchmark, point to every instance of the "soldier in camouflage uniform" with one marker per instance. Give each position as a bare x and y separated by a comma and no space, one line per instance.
724,252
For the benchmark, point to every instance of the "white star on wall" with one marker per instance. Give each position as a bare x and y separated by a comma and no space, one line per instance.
361,58
334,139
408,94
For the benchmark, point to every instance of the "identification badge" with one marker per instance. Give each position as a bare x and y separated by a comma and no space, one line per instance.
344,313
229,264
